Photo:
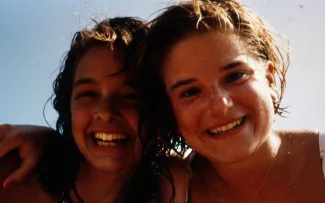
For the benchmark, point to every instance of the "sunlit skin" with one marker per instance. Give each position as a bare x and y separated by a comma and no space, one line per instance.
210,87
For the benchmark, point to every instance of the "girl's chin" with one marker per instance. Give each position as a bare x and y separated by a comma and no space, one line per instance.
111,165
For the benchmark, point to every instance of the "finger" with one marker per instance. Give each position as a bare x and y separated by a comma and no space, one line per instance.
4,129
18,176
8,144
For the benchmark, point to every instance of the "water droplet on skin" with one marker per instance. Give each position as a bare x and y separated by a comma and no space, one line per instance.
289,155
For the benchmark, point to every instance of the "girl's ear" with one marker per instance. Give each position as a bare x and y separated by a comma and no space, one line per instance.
270,71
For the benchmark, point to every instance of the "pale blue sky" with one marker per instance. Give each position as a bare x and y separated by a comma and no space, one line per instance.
35,34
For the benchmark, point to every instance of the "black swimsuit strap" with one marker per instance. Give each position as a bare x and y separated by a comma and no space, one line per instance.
67,199
80,200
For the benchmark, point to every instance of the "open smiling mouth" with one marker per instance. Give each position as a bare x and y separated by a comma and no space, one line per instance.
226,128
110,139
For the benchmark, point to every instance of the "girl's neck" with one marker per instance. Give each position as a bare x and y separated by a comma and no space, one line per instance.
98,186
246,176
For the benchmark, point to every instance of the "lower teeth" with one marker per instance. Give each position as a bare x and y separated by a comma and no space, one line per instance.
105,144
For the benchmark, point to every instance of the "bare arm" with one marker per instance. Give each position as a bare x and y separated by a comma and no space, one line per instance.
29,140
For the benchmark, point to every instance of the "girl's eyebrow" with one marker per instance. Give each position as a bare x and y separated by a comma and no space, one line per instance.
191,80
84,81
182,82
232,65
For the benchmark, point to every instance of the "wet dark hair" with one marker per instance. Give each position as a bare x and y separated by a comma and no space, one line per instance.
186,19
58,169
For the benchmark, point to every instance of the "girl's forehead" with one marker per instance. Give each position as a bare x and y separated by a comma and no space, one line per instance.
216,47
98,61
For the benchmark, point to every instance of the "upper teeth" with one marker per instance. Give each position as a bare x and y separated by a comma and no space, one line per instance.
226,127
110,136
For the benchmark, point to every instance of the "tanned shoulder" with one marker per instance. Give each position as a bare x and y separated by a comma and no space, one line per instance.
175,183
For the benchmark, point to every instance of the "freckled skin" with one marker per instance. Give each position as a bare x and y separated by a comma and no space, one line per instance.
223,95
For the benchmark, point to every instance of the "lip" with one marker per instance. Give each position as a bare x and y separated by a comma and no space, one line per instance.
124,141
115,152
112,149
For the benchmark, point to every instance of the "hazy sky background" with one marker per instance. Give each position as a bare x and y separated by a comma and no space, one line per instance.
35,34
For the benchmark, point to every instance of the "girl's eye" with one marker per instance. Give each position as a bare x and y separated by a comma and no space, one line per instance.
86,94
235,76
190,92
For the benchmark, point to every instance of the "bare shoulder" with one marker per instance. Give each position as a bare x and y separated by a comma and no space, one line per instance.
302,161
302,138
301,147
174,182
26,191
302,132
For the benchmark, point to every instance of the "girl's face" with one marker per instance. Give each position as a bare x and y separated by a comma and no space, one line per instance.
220,95
104,112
